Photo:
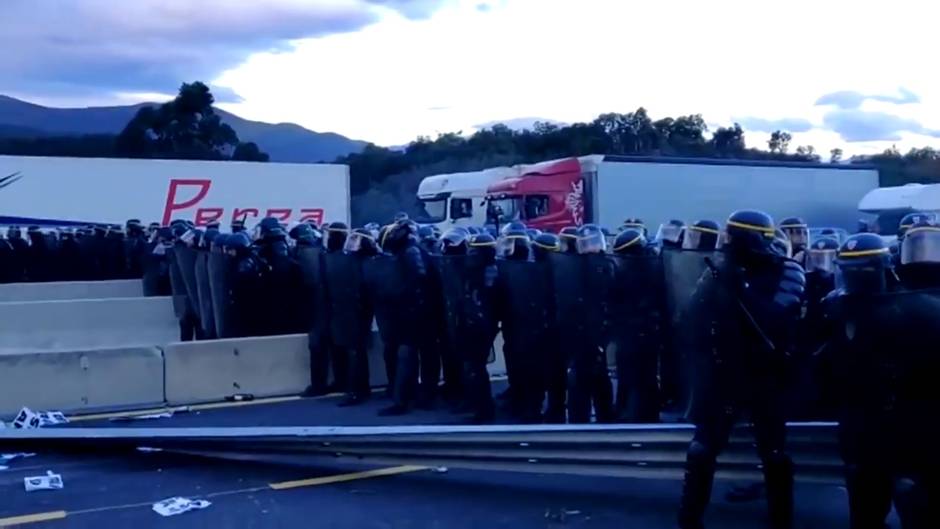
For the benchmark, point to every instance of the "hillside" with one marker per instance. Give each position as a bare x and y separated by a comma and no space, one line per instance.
284,142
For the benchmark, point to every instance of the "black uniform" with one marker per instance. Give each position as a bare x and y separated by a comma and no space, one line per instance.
19,247
312,308
554,361
750,302
246,285
636,299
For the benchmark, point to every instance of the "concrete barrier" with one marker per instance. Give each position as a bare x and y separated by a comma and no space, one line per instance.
86,324
214,369
81,380
62,290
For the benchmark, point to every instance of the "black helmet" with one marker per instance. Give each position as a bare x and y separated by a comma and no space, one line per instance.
781,244
473,230
533,232
134,227
220,241
400,216
796,231
238,242
361,242
748,231
544,245
483,244
336,233
630,241
914,218
821,255
701,235
274,234
921,245
427,233
863,260
514,244
634,223
208,237
514,226
304,234
455,242
400,235
568,240
591,239
670,233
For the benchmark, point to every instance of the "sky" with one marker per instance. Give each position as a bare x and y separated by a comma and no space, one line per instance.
860,75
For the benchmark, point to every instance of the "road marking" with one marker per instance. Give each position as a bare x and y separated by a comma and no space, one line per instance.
32,518
388,471
284,485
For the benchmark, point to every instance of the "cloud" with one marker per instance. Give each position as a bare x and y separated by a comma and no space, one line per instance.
770,125
860,125
849,99
70,47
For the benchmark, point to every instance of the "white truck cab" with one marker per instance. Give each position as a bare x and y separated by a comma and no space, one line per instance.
458,199
890,204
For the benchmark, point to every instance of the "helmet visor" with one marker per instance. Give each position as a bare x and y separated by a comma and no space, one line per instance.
592,243
508,245
921,245
699,238
356,241
821,260
669,232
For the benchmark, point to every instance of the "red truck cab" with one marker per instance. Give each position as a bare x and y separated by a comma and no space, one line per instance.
548,196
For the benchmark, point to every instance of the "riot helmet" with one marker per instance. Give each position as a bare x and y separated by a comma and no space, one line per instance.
544,245
361,242
192,237
400,216
336,233
634,223
701,235
670,233
568,240
238,244
920,256
134,227
748,232
514,245
208,237
781,244
533,233
514,226
591,239
821,255
911,219
630,241
455,242
863,263
373,228
473,230
304,234
219,242
399,236
13,232
797,232
483,245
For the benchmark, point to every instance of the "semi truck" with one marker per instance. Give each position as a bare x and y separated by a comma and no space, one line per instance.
458,199
607,190
73,191
889,205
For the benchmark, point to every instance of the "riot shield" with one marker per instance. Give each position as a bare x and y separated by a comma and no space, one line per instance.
181,306
566,275
347,307
382,276
682,270
527,290
313,296
206,316
186,261
220,288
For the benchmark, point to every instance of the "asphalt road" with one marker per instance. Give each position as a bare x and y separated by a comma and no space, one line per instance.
119,490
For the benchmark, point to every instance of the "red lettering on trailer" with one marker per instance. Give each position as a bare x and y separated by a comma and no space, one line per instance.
172,205
315,215
280,214
242,214
205,216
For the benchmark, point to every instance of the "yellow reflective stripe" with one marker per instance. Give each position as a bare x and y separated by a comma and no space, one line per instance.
863,253
483,244
634,225
507,237
922,228
745,226
704,230
554,247
628,243
569,235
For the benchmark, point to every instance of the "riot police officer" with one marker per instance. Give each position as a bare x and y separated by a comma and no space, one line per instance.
797,233
525,309
580,283
135,249
398,282
38,256
246,292
180,262
20,249
555,366
918,267
568,240
867,346
752,298
636,296
334,284
636,224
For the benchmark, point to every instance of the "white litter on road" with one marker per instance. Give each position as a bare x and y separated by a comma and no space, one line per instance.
51,481
27,418
439,470
178,505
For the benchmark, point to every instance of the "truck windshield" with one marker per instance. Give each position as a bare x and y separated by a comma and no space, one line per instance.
432,211
504,209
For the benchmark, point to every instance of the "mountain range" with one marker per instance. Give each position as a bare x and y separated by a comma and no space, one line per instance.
284,142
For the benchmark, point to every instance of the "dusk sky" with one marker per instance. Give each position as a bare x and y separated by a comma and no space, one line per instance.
854,74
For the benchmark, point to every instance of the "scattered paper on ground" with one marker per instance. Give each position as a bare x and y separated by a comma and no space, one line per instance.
51,481
178,505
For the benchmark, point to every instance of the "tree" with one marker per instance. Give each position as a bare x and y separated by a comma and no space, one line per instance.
728,141
835,155
807,153
186,128
779,142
